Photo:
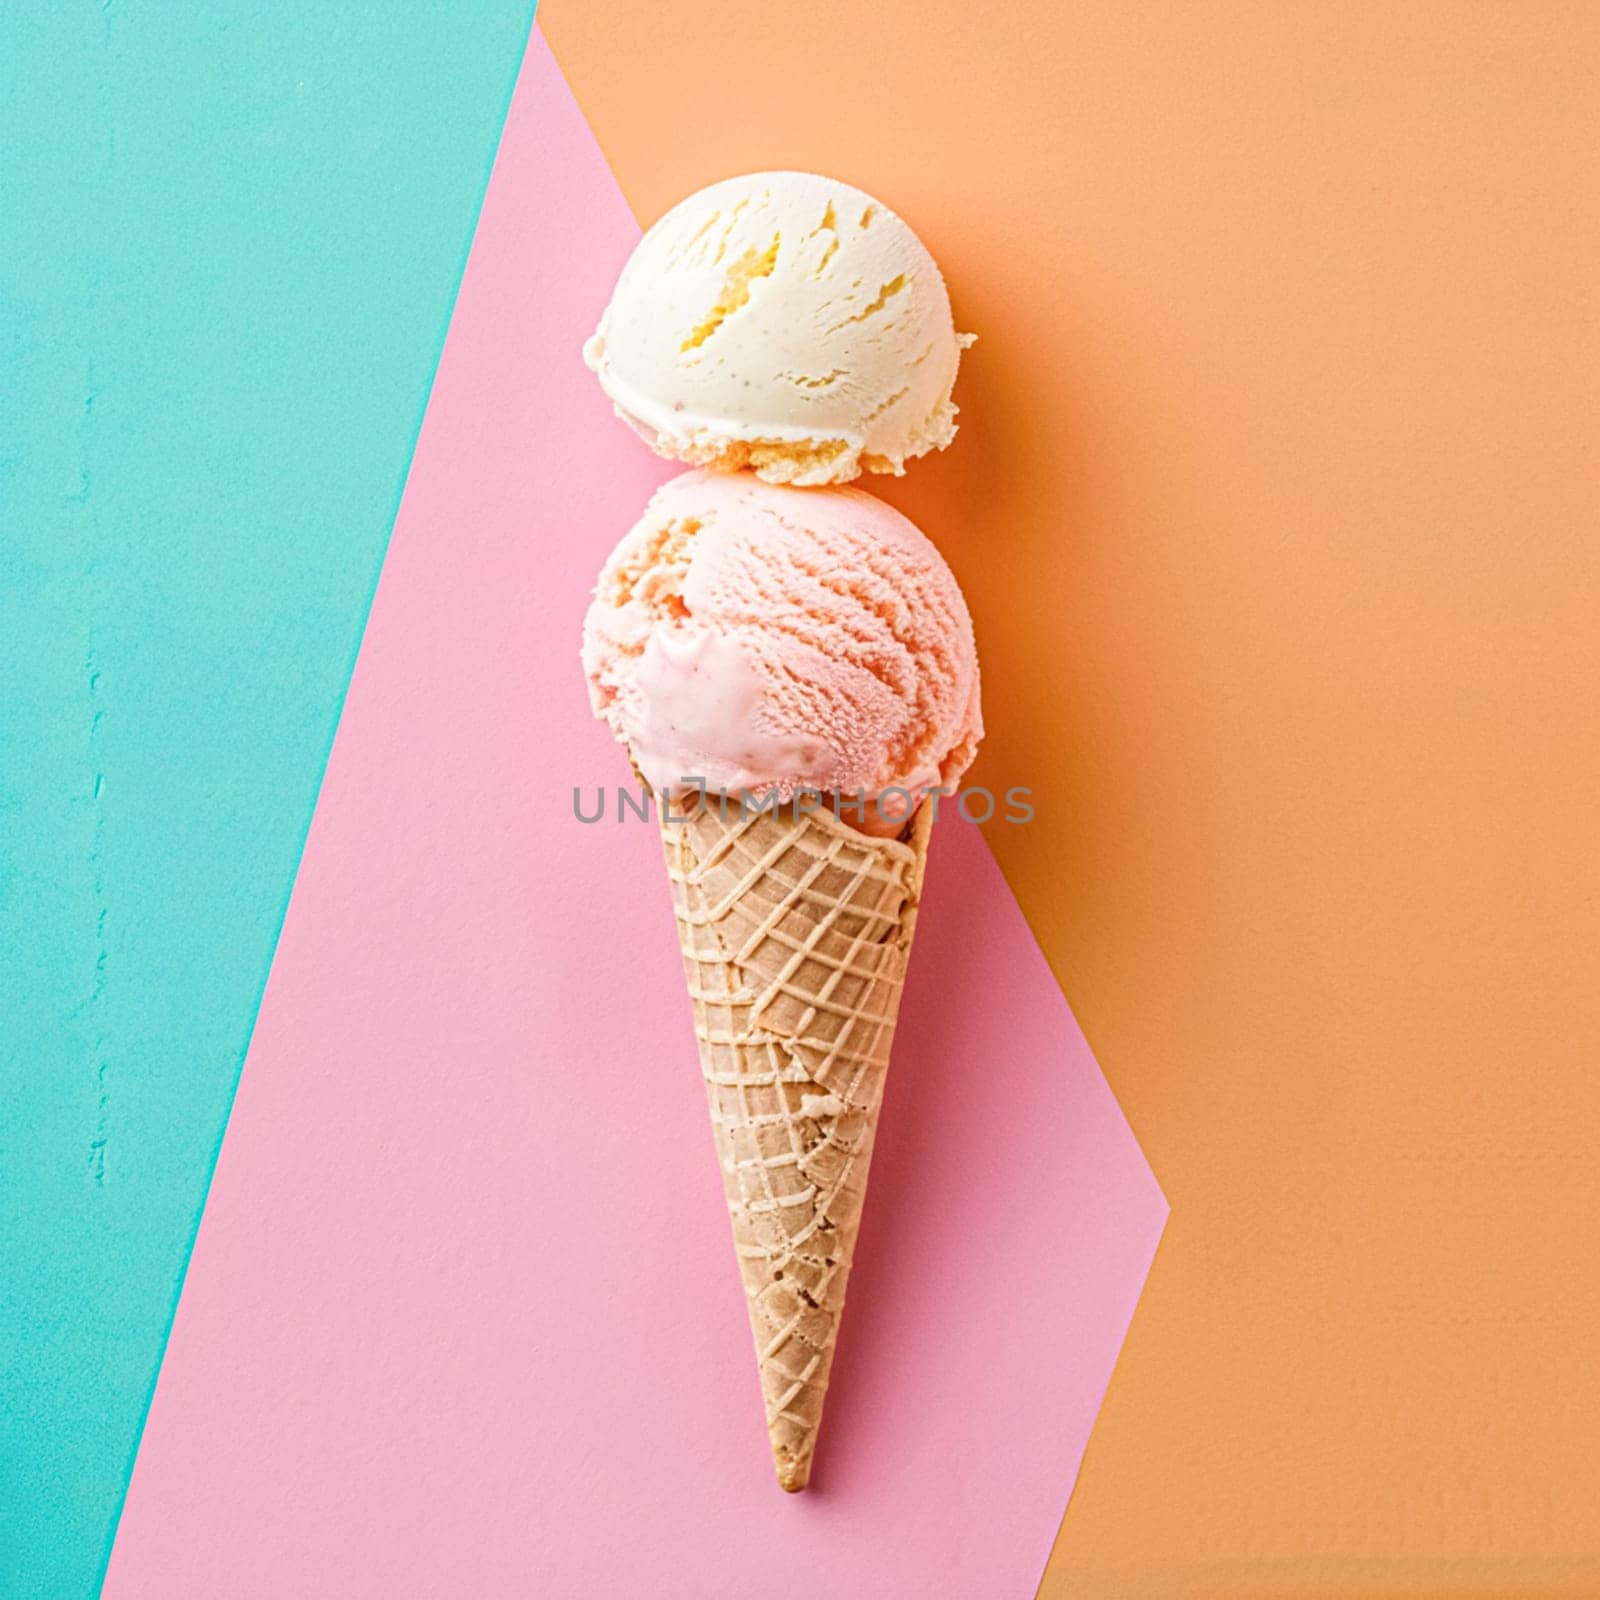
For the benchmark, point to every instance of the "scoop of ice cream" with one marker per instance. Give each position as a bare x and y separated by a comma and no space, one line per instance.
784,322
768,639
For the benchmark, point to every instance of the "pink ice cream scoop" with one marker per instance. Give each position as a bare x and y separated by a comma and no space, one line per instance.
747,636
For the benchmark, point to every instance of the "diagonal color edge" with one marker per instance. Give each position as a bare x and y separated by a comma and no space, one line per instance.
228,274
410,1135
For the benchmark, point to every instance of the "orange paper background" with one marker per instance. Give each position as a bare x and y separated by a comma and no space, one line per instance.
1276,501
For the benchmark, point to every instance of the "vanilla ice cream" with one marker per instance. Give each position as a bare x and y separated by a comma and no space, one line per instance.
769,639
783,322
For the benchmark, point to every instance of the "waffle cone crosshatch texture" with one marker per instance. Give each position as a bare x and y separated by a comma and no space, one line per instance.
795,932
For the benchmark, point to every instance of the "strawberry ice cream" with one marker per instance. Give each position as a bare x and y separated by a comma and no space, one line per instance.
747,636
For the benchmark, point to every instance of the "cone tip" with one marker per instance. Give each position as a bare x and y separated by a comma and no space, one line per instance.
793,1473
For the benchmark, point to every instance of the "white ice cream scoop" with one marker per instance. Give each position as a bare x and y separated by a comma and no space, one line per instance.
784,322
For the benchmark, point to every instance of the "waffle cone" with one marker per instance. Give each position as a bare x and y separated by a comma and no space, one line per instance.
795,936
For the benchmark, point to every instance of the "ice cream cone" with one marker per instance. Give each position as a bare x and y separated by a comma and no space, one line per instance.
795,935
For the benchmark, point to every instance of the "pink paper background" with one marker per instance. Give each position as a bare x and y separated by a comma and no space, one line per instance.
463,1317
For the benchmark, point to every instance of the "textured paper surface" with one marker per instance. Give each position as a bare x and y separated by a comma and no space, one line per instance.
231,233
1275,502
463,1315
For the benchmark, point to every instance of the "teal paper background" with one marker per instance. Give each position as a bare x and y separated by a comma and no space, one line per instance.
231,237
